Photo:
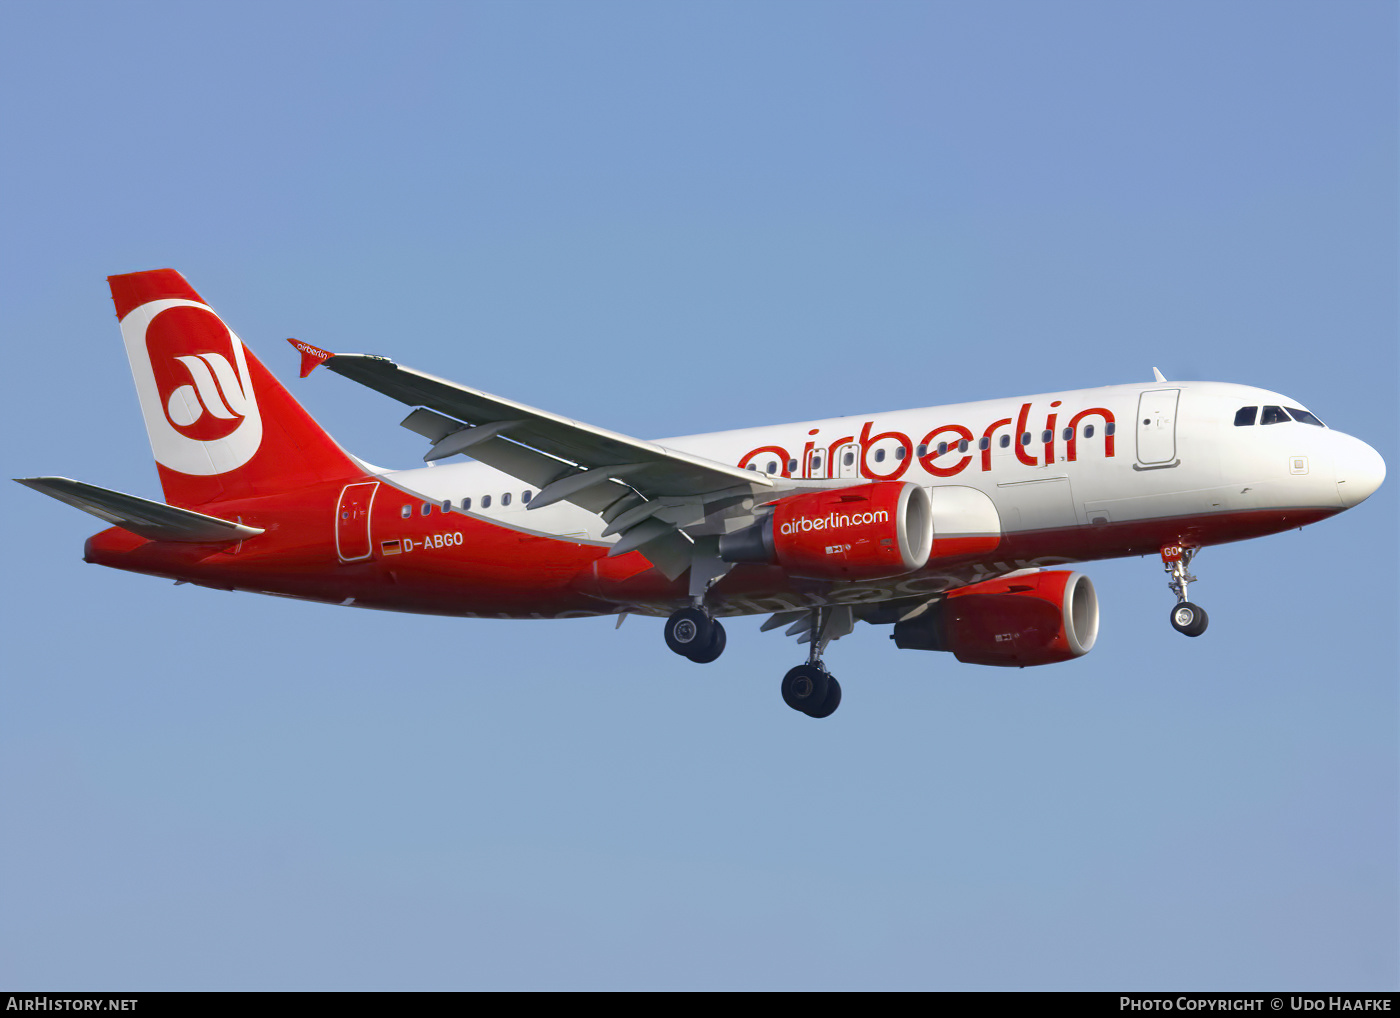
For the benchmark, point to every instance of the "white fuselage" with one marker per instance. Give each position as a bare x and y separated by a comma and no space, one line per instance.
1084,457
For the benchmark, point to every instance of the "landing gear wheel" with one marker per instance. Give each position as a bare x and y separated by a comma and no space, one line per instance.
714,650
1189,619
832,701
805,688
690,631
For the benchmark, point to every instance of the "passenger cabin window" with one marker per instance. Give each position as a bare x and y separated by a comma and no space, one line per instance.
1045,436
816,463
1067,434
466,504
1025,438
505,499
921,451
1088,431
525,495
984,442
447,505
848,458
427,508
1245,415
773,467
1005,441
879,455
962,445
792,466
1273,415
406,512
899,453
1108,428
1304,417
486,501
942,448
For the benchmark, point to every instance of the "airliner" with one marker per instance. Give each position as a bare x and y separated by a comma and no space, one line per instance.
947,524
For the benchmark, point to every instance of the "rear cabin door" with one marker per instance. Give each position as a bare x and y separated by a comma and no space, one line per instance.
1156,427
352,521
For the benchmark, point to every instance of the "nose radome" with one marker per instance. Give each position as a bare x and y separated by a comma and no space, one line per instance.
1360,470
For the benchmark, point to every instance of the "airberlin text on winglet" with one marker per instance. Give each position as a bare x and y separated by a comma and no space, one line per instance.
311,356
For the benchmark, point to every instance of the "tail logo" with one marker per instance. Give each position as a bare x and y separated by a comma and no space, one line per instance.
196,394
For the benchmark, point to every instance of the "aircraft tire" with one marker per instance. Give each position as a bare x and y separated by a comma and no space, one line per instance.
1189,619
832,701
714,650
689,629
804,686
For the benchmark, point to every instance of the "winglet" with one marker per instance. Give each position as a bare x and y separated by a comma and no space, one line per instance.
1157,375
311,356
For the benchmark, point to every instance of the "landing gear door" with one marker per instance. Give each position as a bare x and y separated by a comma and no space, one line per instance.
352,541
1156,428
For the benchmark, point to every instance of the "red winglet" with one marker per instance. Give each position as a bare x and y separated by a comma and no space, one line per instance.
311,356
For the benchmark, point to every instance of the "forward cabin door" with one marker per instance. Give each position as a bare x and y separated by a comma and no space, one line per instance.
845,461
1156,428
352,541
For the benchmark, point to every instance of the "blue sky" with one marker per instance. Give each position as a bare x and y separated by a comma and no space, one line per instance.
666,219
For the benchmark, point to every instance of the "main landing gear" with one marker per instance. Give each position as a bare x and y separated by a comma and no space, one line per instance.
691,633
810,688
1187,618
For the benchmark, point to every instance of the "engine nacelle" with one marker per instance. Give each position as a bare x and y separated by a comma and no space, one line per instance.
864,532
1016,621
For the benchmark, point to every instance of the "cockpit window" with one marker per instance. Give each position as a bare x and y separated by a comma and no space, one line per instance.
1245,415
1273,415
1302,415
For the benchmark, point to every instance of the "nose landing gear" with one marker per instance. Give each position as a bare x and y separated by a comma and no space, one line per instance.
1186,618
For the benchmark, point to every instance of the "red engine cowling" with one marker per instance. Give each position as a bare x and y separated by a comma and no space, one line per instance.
863,532
1036,619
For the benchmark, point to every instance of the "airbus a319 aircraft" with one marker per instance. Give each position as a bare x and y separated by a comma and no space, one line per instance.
942,522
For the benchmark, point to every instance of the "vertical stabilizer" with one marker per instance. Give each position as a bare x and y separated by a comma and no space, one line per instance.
221,427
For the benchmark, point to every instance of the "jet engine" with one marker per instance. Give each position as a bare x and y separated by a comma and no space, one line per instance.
1015,621
863,532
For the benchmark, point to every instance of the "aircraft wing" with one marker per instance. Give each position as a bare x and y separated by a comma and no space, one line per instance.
155,521
652,467
630,482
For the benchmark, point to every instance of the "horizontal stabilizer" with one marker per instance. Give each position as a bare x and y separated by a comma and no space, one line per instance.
154,521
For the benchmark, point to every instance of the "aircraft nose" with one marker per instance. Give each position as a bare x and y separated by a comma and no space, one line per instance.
1360,470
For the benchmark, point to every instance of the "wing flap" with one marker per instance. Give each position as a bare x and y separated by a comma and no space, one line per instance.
154,521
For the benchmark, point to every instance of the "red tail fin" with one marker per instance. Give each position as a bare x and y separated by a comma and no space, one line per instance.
221,427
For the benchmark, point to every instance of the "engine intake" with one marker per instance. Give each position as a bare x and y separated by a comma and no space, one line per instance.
1018,621
863,532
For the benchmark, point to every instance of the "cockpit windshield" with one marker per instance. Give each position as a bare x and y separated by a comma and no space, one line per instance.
1246,416
1304,417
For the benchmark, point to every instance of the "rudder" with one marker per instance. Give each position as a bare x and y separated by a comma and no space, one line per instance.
221,426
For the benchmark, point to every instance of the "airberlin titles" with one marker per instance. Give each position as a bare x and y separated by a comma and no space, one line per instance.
833,520
820,460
